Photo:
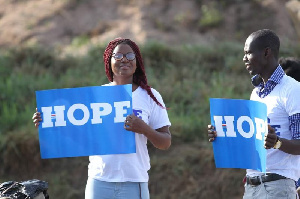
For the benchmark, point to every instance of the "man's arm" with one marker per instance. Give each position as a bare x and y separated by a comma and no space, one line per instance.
287,146
290,146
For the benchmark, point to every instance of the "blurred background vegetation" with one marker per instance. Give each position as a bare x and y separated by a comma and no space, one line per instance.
187,75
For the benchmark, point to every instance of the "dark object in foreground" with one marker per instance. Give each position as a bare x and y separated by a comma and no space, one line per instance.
30,189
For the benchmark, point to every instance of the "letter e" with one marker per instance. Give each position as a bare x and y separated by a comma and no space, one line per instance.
120,111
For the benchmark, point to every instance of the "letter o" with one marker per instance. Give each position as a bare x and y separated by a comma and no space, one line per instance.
240,128
86,114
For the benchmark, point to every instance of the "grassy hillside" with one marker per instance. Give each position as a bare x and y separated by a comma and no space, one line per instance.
186,76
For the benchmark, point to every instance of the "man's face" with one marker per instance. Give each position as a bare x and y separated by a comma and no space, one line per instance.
253,58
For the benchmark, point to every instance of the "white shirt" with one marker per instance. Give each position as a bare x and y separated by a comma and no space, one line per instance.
282,102
132,167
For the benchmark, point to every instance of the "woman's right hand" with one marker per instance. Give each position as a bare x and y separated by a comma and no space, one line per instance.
212,133
36,118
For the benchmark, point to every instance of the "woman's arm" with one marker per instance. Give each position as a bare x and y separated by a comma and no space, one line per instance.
160,138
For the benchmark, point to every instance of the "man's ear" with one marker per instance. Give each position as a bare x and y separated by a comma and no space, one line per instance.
268,51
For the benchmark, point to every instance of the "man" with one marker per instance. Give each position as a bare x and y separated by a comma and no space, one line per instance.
281,94
291,67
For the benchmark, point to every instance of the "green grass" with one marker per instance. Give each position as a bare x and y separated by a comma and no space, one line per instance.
186,76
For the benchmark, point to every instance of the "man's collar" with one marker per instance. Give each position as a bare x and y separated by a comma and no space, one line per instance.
275,77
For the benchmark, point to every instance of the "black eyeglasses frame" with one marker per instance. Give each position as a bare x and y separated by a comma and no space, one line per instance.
127,55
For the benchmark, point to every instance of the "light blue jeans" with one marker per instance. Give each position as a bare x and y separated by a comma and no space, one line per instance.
278,189
96,189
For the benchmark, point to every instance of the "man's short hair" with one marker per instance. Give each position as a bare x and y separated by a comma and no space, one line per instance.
267,38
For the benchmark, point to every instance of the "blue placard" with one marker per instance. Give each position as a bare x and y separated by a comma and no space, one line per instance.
85,121
241,126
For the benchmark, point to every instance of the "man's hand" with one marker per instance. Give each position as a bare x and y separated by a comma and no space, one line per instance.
270,138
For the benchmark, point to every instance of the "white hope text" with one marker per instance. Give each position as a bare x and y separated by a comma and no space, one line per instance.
260,125
98,111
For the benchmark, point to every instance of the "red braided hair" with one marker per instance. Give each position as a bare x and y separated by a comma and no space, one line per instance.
139,76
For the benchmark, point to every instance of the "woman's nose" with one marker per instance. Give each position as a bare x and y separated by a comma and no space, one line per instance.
124,59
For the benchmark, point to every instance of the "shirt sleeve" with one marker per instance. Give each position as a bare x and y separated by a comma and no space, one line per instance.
295,126
293,110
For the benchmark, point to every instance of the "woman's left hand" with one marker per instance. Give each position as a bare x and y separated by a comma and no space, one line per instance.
134,124
160,138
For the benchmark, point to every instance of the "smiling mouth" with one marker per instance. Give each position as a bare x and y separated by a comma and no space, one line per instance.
124,67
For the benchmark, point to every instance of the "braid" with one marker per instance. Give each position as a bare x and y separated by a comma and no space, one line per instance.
107,57
139,76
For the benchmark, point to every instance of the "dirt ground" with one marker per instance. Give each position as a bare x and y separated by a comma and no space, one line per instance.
57,23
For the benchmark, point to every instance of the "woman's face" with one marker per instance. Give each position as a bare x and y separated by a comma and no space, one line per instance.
123,62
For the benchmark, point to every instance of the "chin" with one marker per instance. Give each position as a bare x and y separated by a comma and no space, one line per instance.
251,72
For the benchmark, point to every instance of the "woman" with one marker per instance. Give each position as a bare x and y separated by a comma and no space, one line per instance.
126,175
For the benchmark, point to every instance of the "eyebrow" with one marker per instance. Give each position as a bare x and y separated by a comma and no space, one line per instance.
123,53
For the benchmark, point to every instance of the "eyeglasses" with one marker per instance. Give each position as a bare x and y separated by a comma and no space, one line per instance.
119,56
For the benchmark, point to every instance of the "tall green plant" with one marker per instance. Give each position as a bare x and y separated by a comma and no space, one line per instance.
186,76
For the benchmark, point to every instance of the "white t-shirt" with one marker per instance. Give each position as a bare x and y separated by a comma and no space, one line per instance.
282,102
132,167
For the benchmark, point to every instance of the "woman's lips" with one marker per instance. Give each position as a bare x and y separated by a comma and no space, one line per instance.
124,67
